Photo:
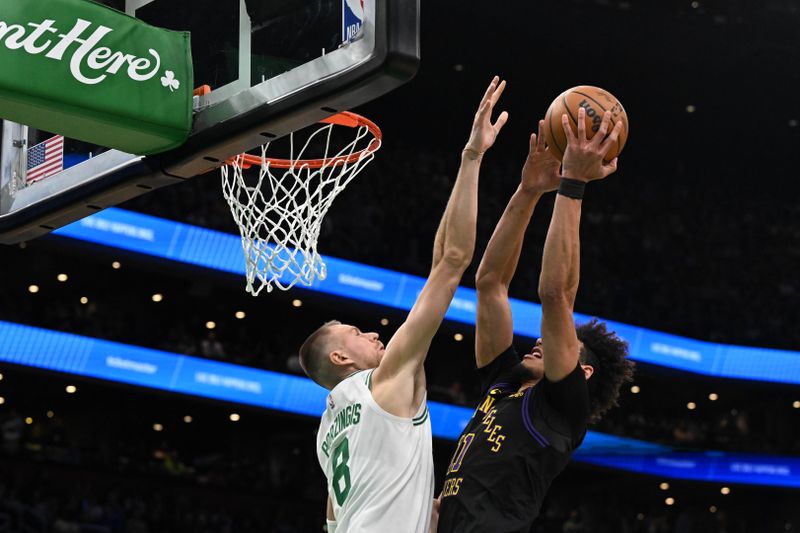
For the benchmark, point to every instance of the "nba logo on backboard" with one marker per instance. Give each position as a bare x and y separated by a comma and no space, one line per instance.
352,19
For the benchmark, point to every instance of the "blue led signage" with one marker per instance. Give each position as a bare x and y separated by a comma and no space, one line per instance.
144,367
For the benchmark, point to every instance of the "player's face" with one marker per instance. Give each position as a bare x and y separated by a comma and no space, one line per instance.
533,361
365,349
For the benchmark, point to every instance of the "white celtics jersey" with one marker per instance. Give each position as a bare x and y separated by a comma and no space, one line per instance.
379,466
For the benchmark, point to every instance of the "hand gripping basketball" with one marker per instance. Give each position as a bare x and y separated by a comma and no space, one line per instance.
583,158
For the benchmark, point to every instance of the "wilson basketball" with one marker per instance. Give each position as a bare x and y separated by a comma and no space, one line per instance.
596,101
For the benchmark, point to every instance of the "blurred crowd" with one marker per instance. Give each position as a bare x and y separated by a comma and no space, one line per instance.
99,463
96,466
50,499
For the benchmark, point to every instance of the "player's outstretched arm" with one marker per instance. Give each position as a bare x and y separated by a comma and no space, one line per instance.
558,283
398,384
495,328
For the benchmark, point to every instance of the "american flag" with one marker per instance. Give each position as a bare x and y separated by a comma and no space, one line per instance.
46,159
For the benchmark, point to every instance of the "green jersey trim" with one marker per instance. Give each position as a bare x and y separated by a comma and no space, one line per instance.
421,418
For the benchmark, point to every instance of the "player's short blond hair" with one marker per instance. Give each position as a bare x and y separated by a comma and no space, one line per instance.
315,355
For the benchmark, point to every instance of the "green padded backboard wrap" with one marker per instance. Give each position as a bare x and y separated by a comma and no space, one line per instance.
89,72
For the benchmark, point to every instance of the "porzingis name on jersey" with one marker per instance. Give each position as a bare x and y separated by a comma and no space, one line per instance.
346,417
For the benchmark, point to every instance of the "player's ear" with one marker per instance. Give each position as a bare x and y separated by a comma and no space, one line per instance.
339,358
588,370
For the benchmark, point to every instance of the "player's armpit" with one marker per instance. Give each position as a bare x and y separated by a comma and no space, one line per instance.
396,381
498,369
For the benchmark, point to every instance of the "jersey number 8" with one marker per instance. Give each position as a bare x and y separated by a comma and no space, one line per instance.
341,472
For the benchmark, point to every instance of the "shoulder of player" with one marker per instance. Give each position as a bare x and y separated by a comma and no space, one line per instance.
574,381
375,393
347,389
549,420
362,375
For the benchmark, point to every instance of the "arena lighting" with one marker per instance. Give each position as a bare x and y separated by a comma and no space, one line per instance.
158,427
691,406
116,265
297,303
796,404
640,516
62,277
235,417
713,509
50,414
211,324
635,389
664,486
157,297
28,420
713,397
84,300
1,377
33,289
670,501
695,4
240,315
458,337
690,108
2,400
725,491
188,419
384,321
71,389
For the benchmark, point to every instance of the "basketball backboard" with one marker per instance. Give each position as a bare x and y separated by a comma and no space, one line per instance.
273,66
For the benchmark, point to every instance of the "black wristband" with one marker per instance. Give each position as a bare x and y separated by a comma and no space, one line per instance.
571,188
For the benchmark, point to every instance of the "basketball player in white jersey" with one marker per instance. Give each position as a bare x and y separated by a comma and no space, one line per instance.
374,440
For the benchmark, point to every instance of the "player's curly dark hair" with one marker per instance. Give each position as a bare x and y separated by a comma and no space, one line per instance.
608,355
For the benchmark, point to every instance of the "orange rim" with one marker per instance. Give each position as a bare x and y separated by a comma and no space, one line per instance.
345,118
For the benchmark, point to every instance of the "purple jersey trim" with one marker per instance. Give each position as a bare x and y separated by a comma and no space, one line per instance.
526,419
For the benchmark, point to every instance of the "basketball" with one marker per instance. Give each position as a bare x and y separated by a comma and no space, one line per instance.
596,101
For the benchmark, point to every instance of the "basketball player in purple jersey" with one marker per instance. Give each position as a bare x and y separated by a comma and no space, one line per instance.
535,409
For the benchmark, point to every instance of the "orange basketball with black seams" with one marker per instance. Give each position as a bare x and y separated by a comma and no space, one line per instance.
596,101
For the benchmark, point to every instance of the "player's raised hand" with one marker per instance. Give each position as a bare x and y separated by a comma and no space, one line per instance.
484,132
540,173
583,158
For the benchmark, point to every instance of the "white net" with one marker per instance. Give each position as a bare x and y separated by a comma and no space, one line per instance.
280,213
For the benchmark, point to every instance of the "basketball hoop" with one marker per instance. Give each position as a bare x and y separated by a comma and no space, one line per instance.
280,214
